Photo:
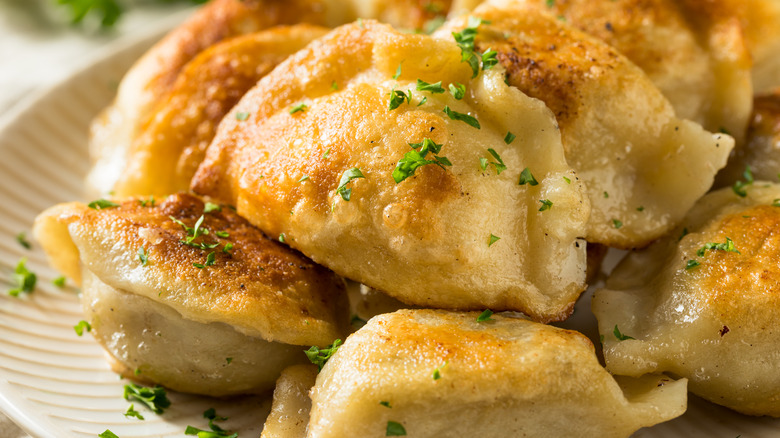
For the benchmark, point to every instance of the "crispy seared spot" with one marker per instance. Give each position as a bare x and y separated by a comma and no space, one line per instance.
740,284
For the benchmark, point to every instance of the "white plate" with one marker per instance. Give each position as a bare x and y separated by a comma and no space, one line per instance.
55,384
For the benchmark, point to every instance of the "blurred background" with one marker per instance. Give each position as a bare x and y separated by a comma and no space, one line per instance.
43,42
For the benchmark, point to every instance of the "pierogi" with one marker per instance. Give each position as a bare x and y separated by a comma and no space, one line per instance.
191,296
436,373
493,218
702,303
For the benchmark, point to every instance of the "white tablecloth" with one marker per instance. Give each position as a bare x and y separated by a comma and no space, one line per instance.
38,48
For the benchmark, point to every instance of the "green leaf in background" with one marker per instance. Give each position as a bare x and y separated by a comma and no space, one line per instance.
109,11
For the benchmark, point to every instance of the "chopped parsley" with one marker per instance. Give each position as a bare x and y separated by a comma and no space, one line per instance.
147,202
222,234
776,203
242,115
617,224
640,209
299,108
334,86
546,204
498,164
550,3
227,248
527,178
229,360
431,88
485,316
385,404
397,97
153,398
568,181
415,159
326,154
346,178
398,71
282,237
215,432
437,371
683,233
395,429
489,59
457,90
81,327
107,434
131,412
23,279
727,246
59,282
422,101
465,40
319,356
739,186
454,115
101,204
509,137
606,195
303,178
21,239
211,258
211,207
143,256
492,239
620,336
691,264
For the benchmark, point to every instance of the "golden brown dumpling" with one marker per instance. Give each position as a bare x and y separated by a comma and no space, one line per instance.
315,162
167,149
291,404
693,51
443,374
197,301
642,165
702,303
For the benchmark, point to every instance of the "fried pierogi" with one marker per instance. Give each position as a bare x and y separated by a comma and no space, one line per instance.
190,295
456,198
291,404
693,51
643,166
168,149
435,373
702,303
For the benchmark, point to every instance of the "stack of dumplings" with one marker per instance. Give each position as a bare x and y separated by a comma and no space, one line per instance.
452,159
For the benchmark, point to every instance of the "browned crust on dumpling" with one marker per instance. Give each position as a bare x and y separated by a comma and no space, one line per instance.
260,286
172,144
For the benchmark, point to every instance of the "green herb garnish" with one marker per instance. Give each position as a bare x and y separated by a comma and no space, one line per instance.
101,204
527,178
492,239
21,239
143,256
107,434
692,264
153,398
397,97
395,429
739,186
59,282
546,204
620,336
23,279
319,356
509,138
498,164
431,88
211,207
131,412
485,316
242,115
727,246
617,224
454,115
385,404
457,91
398,71
346,178
415,159
81,327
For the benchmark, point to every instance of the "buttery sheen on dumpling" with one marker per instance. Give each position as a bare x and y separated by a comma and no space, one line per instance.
198,301
291,403
693,51
166,151
702,303
444,374
315,162
642,165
